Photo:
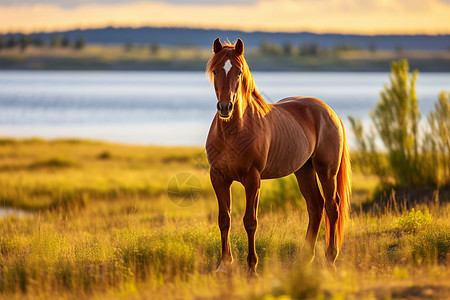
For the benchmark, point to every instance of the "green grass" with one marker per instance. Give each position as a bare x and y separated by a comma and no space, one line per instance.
37,175
104,227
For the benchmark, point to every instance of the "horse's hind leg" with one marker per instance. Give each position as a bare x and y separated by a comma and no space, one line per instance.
327,177
307,181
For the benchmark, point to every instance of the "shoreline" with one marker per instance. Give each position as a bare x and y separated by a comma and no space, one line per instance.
116,58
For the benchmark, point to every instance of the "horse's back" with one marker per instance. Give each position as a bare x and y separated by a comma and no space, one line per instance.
314,105
309,112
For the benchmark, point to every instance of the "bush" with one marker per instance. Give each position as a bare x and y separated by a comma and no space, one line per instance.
411,157
431,244
437,141
414,220
55,162
396,118
281,194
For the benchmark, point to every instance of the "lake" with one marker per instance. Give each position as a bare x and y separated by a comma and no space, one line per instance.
168,108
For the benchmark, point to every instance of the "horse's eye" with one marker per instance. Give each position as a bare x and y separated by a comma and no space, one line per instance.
214,72
240,73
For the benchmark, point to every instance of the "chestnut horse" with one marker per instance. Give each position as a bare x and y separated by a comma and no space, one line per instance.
250,140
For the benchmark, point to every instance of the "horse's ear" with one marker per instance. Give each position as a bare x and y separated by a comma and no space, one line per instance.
217,46
239,47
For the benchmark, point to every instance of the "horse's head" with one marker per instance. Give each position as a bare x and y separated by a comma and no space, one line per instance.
225,69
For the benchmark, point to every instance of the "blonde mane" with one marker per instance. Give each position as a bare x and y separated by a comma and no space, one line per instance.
248,94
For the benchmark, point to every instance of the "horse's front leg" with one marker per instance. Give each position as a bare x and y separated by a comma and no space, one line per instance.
251,182
221,187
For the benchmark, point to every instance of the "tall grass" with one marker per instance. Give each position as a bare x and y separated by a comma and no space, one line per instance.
135,243
135,252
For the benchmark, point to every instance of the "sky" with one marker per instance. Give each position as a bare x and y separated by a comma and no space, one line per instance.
320,16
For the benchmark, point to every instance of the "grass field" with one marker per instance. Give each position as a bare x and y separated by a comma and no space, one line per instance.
141,57
99,224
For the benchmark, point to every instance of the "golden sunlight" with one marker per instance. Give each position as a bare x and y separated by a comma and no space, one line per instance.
368,17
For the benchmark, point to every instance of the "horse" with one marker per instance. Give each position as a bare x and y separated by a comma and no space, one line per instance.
250,140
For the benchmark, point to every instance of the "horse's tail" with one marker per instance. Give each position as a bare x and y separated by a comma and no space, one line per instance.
343,190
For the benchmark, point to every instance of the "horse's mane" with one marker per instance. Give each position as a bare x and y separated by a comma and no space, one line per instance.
248,94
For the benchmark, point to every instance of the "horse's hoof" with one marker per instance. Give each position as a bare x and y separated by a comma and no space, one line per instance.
307,258
224,268
252,274
331,266
331,255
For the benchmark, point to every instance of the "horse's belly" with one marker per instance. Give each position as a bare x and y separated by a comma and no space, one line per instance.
283,167
289,150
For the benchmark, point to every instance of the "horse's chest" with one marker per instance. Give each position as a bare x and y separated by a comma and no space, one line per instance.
233,156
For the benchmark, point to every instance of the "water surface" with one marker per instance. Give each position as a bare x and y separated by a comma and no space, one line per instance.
168,108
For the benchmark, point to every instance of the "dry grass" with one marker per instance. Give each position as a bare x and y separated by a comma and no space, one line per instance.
110,231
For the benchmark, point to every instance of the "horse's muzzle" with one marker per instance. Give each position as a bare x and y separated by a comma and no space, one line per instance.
225,111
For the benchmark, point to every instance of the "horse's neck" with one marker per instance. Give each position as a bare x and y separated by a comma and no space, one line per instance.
253,101
241,106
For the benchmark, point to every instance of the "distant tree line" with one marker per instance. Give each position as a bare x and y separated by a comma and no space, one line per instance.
23,41
307,48
154,47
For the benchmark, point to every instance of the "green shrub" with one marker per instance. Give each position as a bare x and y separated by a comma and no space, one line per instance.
410,157
53,163
431,244
367,159
7,141
437,142
104,155
288,250
396,118
414,220
281,194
